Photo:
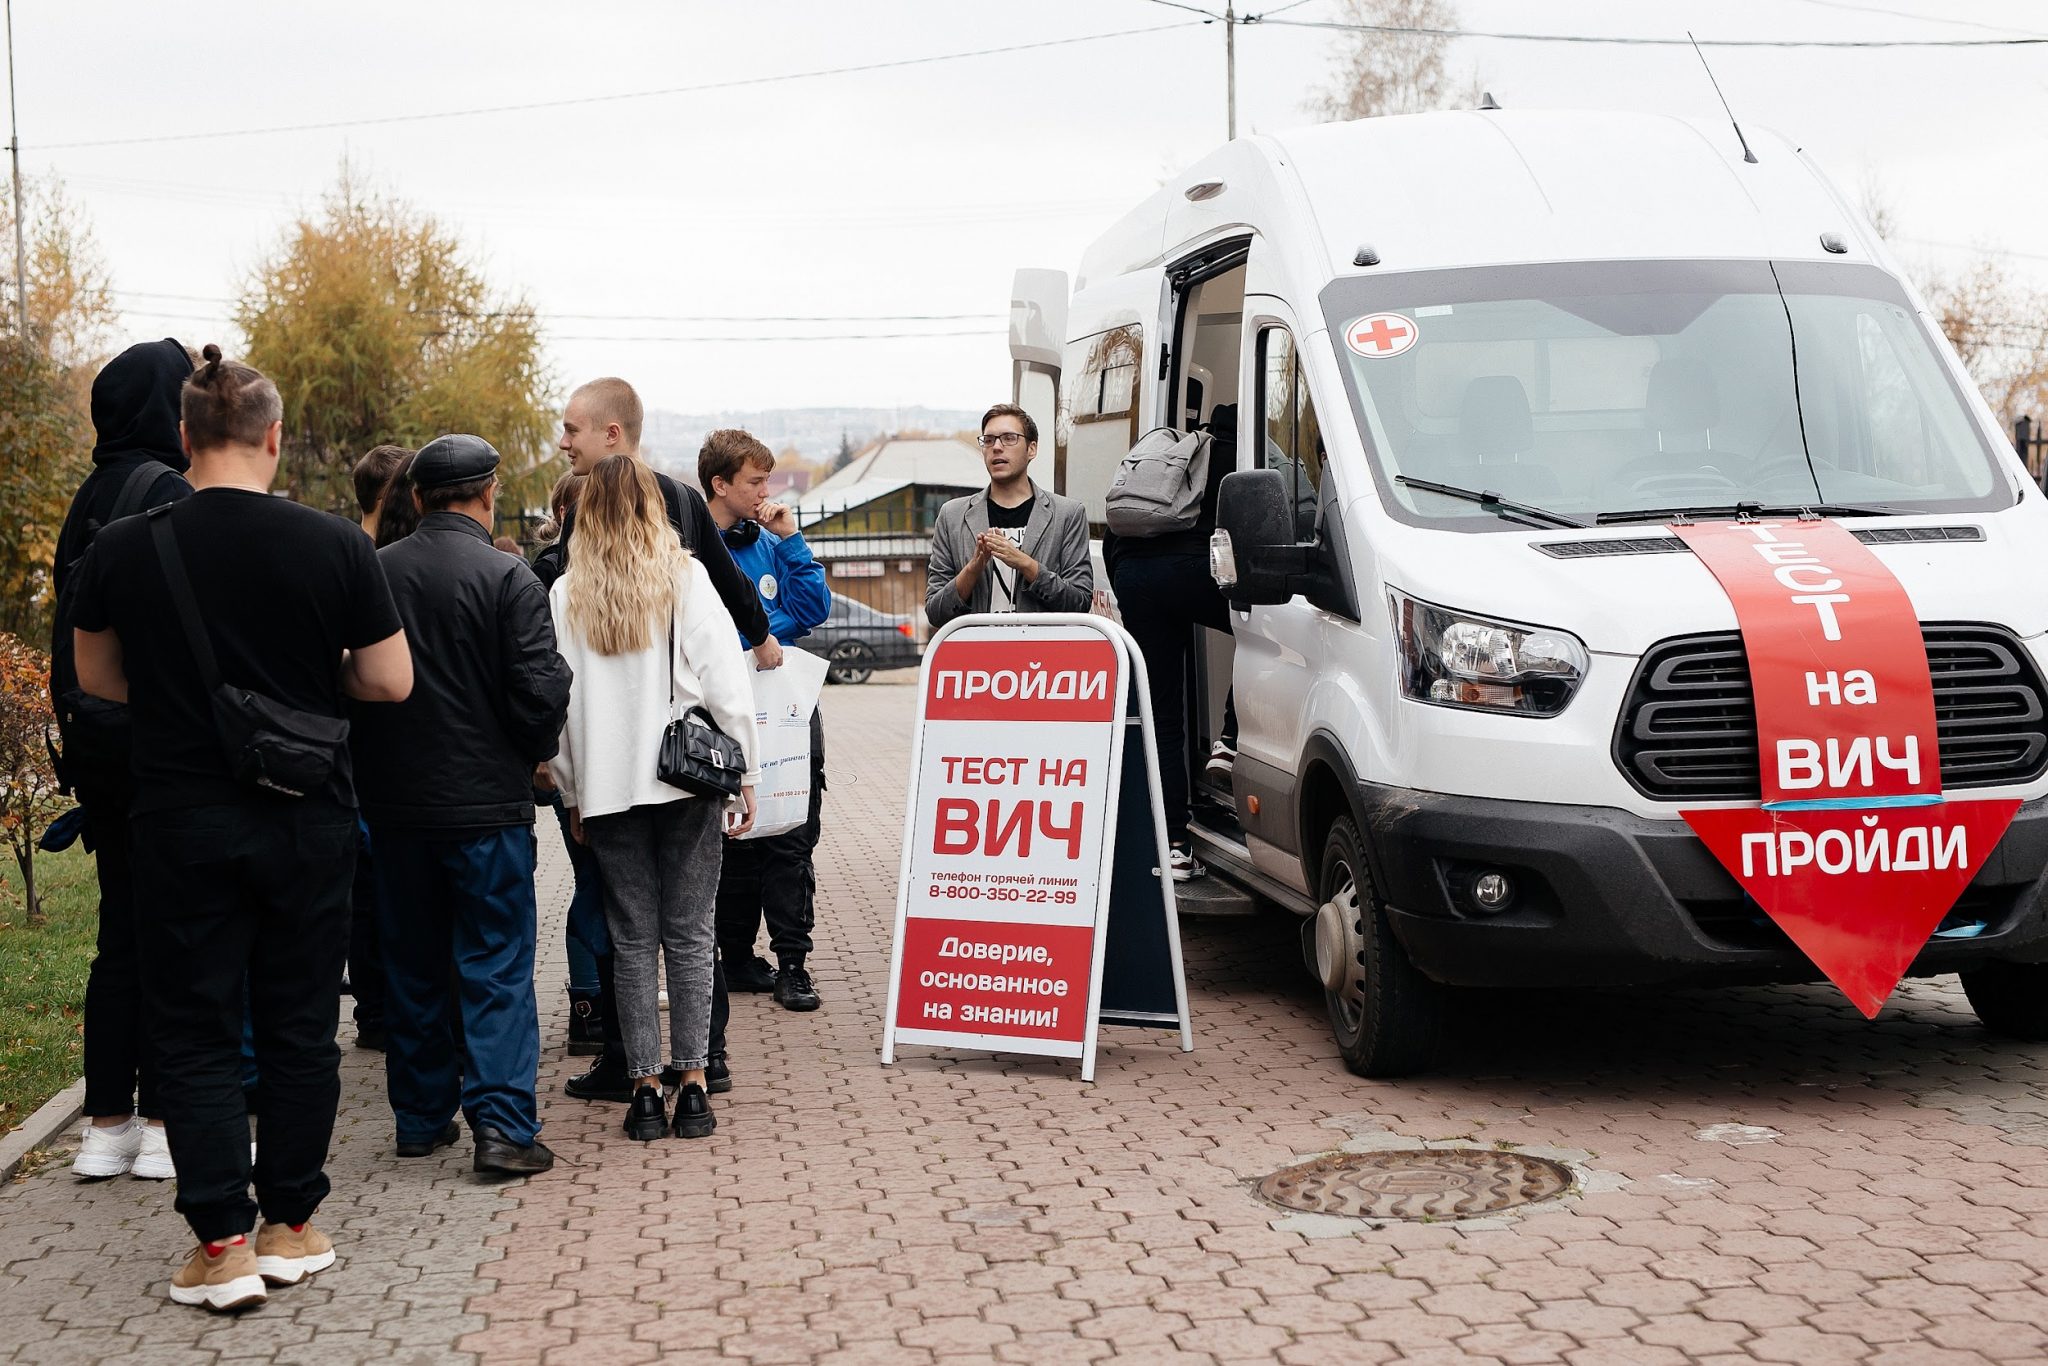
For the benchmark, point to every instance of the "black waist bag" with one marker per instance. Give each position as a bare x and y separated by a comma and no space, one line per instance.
267,744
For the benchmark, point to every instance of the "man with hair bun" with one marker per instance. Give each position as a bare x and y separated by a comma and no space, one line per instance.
447,787
233,624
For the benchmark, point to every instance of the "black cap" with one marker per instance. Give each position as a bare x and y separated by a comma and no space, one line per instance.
453,459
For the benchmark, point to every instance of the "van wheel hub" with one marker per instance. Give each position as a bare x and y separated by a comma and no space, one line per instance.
1339,944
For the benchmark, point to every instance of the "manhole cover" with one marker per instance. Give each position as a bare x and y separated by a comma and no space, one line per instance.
1450,1183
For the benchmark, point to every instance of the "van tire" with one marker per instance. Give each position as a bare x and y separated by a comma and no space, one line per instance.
2010,999
1388,1017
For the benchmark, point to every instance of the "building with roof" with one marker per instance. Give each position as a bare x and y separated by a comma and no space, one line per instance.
870,524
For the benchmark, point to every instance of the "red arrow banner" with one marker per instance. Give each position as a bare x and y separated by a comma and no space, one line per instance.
1854,852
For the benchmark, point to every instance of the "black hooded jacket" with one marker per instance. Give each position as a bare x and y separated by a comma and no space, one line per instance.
135,402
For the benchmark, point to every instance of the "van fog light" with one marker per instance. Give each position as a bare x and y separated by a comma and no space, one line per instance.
1493,891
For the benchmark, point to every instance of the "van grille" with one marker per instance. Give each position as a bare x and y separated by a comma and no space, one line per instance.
1688,729
1672,545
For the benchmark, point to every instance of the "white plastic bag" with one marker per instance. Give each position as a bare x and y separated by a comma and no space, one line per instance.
784,699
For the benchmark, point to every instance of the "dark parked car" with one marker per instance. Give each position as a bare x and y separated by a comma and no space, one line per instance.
858,640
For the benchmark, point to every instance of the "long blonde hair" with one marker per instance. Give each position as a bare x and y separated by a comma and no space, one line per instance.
622,581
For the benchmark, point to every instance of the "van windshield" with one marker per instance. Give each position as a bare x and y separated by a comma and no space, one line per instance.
1611,388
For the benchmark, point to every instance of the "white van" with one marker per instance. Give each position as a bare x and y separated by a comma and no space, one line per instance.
1478,360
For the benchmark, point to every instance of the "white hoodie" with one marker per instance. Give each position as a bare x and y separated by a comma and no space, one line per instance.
619,705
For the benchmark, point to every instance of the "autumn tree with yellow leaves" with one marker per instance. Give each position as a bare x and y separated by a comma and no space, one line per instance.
376,327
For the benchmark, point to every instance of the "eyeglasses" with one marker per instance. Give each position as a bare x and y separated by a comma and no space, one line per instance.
1004,439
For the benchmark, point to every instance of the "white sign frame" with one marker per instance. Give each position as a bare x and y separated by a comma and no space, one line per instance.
1134,677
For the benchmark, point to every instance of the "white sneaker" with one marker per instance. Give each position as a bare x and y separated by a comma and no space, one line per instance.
1222,759
107,1150
153,1162
1184,866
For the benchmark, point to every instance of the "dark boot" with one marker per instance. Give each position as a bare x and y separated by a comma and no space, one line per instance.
793,989
748,972
498,1155
586,1024
646,1117
693,1113
606,1080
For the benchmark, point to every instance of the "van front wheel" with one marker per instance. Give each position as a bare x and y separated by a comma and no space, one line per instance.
1385,1014
2010,999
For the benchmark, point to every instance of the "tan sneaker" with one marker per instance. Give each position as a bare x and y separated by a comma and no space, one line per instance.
285,1257
229,1281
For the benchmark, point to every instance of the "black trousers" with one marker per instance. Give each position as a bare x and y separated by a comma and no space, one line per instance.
1163,598
365,947
255,892
120,1078
773,879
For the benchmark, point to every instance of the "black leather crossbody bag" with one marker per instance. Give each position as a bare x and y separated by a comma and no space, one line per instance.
696,755
267,744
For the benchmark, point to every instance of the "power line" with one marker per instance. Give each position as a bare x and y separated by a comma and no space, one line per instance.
553,337
738,83
1922,18
1624,41
1208,16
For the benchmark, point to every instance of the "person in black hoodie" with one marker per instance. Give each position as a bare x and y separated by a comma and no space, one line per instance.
138,463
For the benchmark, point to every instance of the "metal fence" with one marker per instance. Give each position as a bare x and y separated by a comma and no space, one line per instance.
2030,439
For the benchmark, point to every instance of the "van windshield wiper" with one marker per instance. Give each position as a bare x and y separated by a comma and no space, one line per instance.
1493,502
1693,514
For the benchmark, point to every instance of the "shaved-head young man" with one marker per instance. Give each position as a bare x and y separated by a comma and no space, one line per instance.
603,418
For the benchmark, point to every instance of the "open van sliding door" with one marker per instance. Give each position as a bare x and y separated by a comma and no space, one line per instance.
1282,649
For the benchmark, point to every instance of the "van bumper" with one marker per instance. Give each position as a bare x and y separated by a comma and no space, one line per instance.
1606,898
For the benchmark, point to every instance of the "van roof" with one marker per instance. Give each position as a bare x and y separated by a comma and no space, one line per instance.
1459,188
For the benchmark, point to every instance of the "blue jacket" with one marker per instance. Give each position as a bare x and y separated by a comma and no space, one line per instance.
791,584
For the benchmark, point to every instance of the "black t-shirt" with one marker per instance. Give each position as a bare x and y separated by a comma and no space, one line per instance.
1003,584
282,589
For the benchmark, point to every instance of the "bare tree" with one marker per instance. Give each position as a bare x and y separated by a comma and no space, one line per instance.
1386,70
1999,327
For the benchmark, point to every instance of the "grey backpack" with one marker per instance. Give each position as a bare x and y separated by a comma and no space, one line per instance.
1159,486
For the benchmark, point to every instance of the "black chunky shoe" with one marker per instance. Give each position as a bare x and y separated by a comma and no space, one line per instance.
586,1025
498,1155
646,1118
606,1080
793,989
424,1147
717,1076
749,973
693,1113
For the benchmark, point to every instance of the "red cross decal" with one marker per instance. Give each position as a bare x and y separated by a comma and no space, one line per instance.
1380,335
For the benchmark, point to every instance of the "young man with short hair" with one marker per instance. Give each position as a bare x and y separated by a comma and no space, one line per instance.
771,876
276,613
603,417
447,787
1013,547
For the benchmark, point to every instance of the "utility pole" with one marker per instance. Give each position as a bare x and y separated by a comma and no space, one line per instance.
20,215
1229,70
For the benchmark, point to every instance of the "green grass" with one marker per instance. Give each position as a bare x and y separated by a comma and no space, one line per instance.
42,980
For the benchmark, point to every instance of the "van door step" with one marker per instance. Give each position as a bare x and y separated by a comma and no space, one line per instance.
1212,896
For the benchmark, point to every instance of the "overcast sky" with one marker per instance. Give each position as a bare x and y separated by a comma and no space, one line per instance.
871,198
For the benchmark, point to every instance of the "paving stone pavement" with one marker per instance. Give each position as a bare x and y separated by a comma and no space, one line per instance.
1763,1176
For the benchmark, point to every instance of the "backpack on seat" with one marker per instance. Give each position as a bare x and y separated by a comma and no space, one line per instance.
1159,486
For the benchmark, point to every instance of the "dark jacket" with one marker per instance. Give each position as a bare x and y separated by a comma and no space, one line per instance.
137,453
691,518
489,691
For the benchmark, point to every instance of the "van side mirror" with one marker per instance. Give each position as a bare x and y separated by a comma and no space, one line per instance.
1253,556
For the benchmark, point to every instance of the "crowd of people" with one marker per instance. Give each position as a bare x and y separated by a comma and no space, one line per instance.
309,754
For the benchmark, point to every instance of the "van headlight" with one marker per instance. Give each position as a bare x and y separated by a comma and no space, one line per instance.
1456,659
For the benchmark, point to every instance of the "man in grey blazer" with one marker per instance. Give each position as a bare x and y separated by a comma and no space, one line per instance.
1013,547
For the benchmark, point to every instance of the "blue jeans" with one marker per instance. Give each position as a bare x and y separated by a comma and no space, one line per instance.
588,938
469,901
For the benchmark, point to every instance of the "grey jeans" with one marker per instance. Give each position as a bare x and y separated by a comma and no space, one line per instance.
660,867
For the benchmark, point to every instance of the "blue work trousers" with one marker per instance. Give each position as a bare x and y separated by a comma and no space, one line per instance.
589,939
469,901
